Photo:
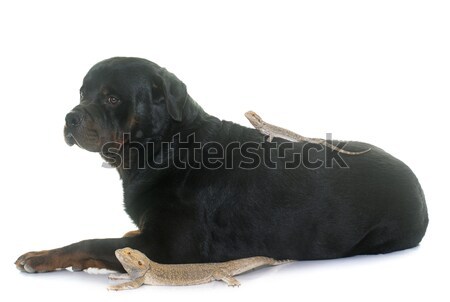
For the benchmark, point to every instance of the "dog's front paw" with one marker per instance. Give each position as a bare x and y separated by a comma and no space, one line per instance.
38,262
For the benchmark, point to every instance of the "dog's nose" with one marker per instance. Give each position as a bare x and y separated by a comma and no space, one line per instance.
73,119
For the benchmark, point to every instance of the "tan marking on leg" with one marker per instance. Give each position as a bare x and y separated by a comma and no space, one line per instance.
132,233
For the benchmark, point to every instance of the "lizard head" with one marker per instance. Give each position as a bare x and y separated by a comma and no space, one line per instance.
254,119
135,263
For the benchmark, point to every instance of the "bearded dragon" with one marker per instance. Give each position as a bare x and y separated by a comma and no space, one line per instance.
141,270
275,131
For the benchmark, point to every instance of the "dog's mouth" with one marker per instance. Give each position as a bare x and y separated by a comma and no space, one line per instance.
70,140
85,140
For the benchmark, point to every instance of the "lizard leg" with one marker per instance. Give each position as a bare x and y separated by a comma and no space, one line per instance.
231,281
227,278
127,285
119,277
270,138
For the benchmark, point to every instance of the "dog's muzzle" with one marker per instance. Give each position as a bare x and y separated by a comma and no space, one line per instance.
73,122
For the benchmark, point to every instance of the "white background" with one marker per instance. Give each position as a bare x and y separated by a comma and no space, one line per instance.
375,71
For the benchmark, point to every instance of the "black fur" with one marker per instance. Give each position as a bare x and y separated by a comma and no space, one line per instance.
376,205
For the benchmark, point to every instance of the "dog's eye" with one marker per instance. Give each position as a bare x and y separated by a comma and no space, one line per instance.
113,100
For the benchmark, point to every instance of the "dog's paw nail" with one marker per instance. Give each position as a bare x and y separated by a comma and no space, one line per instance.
29,269
76,269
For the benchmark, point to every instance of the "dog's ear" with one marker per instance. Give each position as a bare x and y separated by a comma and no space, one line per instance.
175,94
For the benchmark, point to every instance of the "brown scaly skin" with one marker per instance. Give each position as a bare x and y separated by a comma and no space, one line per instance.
276,131
142,270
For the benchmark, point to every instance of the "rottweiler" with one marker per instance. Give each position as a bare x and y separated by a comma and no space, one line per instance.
201,189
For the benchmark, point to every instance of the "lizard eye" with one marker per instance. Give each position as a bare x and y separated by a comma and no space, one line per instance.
139,262
129,253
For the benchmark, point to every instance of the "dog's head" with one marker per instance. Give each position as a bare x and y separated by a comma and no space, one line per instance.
124,95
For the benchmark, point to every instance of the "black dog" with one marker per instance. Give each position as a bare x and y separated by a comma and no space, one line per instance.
233,205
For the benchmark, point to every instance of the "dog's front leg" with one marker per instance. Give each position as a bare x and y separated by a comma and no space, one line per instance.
96,253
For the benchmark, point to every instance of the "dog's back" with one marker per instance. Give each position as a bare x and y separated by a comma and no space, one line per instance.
321,209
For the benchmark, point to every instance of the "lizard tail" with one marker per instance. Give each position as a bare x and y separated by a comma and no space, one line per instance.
333,147
278,262
336,148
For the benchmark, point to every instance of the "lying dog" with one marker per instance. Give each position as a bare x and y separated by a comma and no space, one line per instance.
139,117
